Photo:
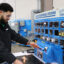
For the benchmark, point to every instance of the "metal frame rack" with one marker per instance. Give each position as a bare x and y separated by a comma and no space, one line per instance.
49,32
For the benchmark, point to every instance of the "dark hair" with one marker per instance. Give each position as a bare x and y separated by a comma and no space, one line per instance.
6,7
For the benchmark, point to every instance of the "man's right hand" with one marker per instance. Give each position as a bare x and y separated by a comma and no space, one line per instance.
17,62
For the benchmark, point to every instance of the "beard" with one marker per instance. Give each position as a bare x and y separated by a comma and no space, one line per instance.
3,21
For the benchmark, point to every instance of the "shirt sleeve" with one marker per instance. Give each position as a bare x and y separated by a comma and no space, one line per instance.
17,37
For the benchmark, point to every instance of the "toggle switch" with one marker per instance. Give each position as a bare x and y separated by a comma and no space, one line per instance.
52,40
43,38
48,39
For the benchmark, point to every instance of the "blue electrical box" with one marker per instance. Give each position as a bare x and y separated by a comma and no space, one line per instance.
49,32
25,27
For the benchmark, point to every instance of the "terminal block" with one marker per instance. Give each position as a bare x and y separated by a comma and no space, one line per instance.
56,24
56,41
37,24
46,24
56,32
61,33
50,32
42,30
51,24
62,42
46,31
62,24
37,36
42,24
38,30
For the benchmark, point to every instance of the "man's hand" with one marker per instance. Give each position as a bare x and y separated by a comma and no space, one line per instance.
33,44
17,62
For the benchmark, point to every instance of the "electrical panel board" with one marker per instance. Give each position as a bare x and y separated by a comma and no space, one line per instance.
49,32
24,27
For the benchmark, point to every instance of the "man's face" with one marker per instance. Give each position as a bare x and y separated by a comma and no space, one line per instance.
6,16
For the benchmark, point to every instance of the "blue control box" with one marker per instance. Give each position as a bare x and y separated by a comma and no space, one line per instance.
49,32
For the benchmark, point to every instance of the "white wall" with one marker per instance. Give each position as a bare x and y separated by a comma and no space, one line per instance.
58,4
24,8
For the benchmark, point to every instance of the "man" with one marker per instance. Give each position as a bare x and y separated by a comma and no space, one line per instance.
7,34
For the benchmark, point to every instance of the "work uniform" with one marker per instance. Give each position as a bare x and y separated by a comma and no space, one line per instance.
6,36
